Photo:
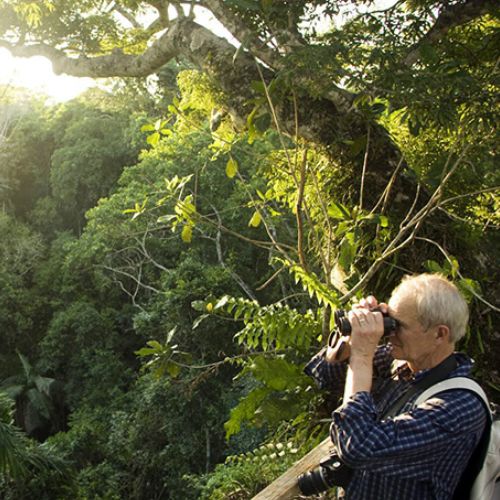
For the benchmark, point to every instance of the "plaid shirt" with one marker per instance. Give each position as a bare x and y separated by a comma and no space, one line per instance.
417,455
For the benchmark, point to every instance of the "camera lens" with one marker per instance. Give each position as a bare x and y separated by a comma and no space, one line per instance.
313,482
330,472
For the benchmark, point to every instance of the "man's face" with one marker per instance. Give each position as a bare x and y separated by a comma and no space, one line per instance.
411,341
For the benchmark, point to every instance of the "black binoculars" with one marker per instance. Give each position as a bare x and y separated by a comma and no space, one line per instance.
343,324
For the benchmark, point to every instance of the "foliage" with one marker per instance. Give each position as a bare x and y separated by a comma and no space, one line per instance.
173,260
39,401
243,476
279,395
19,456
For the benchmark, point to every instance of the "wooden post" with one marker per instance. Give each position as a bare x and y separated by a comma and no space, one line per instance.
286,487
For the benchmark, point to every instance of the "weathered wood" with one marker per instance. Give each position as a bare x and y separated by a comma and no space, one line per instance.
285,487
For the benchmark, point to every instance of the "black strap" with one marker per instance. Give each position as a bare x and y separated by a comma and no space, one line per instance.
474,466
435,375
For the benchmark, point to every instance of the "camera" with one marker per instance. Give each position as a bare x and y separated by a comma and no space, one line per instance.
330,472
343,324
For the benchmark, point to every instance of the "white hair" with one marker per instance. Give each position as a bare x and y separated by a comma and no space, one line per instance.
437,302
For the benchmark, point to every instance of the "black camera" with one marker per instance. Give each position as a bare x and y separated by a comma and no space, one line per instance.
330,472
344,326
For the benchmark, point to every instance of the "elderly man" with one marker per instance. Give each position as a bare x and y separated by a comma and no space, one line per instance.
421,452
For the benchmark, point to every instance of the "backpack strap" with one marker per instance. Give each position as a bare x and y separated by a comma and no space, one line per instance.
475,464
430,379
454,383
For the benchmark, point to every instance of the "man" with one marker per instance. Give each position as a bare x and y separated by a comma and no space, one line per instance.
420,453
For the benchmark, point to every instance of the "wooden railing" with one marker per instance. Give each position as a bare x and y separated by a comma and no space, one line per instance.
285,487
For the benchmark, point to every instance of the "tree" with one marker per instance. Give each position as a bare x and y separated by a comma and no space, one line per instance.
25,148
39,401
433,62
19,456
345,157
21,251
92,149
109,39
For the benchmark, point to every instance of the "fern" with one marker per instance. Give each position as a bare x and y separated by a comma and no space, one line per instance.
275,326
313,285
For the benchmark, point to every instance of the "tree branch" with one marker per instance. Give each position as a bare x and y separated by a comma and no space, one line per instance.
450,17
408,228
220,257
183,37
447,257
298,212
242,33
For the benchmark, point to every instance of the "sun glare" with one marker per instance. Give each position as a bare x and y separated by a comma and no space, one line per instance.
36,75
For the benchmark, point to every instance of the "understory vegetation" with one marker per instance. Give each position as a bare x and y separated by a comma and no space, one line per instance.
169,261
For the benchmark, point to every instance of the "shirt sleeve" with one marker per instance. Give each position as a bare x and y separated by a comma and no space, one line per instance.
332,375
327,375
408,445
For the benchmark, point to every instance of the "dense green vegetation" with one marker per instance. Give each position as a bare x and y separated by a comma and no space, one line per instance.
171,256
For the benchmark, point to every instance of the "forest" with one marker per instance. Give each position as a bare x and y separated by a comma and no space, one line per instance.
174,242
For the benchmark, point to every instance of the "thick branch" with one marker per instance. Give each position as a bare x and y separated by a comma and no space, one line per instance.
184,37
241,32
450,17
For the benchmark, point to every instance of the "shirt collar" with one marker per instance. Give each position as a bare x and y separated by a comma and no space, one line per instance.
402,371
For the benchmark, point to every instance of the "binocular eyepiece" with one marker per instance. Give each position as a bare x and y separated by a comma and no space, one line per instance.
344,325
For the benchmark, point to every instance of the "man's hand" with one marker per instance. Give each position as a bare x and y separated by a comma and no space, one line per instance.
367,328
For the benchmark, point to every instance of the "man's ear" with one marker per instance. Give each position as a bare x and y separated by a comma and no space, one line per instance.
443,334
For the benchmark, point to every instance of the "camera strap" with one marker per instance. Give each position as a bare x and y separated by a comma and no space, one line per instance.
434,375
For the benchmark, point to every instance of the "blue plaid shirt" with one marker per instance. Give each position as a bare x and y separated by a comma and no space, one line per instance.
417,455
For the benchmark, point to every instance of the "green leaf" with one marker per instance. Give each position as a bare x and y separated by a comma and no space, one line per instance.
469,287
255,220
165,219
278,374
347,252
173,369
231,167
187,233
199,320
433,267
358,145
28,369
45,385
145,351
155,345
245,410
338,211
170,335
222,302
153,139
199,305
258,86
453,266
185,207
